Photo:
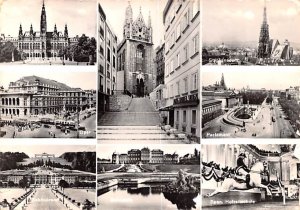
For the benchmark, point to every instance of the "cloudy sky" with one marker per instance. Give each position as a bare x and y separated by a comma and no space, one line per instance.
57,150
106,150
74,79
79,15
256,78
115,15
240,20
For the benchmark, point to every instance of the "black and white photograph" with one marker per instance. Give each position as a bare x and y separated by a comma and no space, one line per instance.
148,177
47,177
43,104
148,71
263,104
251,32
48,32
250,176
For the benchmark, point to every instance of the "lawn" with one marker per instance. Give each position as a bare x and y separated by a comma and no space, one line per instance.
108,167
80,194
175,168
10,194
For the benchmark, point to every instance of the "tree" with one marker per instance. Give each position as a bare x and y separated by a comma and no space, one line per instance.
6,50
23,183
11,184
62,183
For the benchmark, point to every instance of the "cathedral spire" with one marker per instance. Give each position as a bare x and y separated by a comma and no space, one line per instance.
265,13
222,82
263,45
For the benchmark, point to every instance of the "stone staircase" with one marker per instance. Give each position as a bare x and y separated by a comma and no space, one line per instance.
118,103
115,133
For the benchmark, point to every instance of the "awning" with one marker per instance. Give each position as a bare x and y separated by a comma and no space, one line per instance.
186,104
167,108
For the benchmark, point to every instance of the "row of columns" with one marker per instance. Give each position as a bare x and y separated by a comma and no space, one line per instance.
226,155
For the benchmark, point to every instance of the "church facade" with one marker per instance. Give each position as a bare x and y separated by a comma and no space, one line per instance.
135,73
43,44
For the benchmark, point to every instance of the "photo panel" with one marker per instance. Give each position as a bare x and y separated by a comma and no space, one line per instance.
251,32
47,176
249,102
148,72
251,176
44,37
148,176
47,103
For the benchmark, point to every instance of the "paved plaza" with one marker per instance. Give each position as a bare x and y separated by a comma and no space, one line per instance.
10,194
261,127
51,131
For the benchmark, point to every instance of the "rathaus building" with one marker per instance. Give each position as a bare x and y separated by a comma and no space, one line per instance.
135,73
43,44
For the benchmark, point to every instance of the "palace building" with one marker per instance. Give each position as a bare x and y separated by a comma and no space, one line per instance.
135,73
35,96
42,44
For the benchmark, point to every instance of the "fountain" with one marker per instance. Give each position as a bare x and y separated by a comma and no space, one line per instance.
182,191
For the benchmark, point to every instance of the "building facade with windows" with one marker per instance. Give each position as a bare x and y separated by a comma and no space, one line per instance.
136,74
37,96
107,65
43,44
182,65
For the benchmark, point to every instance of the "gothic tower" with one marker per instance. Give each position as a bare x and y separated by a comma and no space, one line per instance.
20,31
222,82
66,32
136,55
263,45
43,20
128,22
43,32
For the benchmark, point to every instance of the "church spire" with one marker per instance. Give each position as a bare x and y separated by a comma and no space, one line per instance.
43,20
31,29
149,20
20,30
66,31
128,21
222,82
55,29
263,45
265,13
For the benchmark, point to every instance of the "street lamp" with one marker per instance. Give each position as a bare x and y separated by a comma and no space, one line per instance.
78,101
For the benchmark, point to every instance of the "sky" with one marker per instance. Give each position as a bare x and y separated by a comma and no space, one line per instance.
240,20
79,15
57,150
255,78
106,150
74,79
115,15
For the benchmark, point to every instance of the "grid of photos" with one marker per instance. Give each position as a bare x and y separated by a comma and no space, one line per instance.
100,104
148,134
48,104
250,154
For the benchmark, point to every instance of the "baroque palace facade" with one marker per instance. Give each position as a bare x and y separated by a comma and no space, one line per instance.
42,44
32,95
